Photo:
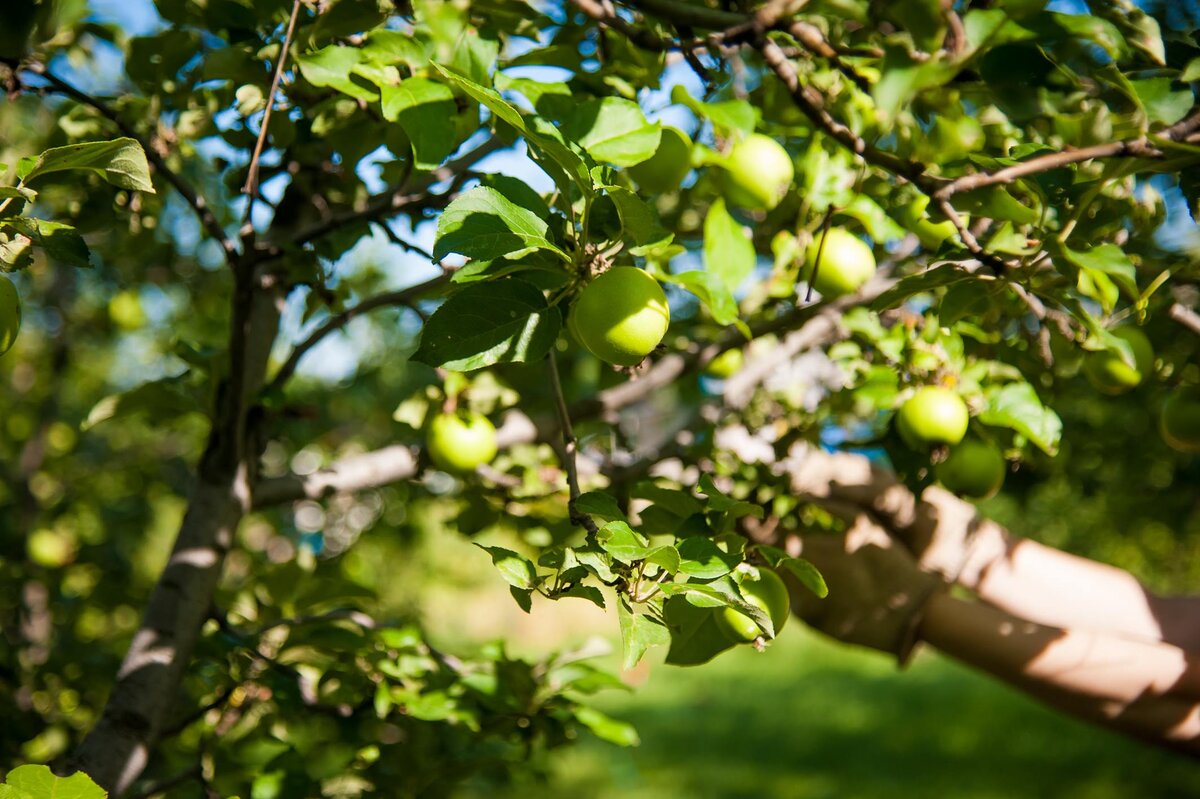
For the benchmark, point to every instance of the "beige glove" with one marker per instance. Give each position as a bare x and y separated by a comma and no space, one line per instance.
877,592
946,534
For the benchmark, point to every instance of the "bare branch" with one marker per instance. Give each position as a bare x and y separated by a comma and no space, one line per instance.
1186,317
251,187
569,446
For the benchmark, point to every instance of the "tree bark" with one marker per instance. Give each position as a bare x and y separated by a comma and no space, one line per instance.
118,748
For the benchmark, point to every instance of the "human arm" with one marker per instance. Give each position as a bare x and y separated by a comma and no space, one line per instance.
1145,689
948,536
880,598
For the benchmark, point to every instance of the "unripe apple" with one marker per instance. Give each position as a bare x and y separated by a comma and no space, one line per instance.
1179,422
768,593
1109,373
756,173
10,314
725,365
933,415
666,169
461,441
974,469
621,315
846,263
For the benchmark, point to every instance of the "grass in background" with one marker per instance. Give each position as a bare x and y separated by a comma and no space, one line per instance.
812,719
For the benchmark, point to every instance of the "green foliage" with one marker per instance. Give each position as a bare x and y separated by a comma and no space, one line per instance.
400,134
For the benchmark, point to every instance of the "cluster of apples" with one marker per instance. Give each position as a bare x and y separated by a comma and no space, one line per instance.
936,416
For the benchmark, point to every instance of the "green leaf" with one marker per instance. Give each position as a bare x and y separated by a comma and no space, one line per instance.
722,503
807,574
426,111
696,637
607,728
482,324
727,116
1017,406
995,202
639,633
332,67
728,250
39,782
1108,259
484,224
701,557
517,570
902,78
1162,102
121,162
639,221
598,503
711,290
60,242
928,280
613,130
161,400
625,544
543,138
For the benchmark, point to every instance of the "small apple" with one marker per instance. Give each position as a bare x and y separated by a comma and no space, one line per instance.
1179,422
974,469
756,173
766,592
666,169
461,441
846,263
933,415
725,365
621,316
1110,373
10,314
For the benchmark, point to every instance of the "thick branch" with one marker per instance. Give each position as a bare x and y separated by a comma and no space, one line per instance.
1186,317
194,200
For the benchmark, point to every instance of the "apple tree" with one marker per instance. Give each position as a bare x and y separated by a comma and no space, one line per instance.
289,283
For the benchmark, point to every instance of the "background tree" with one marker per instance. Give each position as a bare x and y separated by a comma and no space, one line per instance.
445,180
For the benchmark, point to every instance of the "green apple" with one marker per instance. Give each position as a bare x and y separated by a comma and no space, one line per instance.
974,469
766,592
725,365
621,316
10,314
1179,422
756,173
933,415
461,441
666,169
1110,373
846,263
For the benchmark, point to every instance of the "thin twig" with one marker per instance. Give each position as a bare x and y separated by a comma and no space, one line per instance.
339,320
192,197
569,445
251,187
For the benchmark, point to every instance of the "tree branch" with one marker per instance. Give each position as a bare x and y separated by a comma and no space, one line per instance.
1185,316
569,445
339,320
194,200
251,187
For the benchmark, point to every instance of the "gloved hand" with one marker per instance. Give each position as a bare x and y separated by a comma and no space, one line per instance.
944,533
877,592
